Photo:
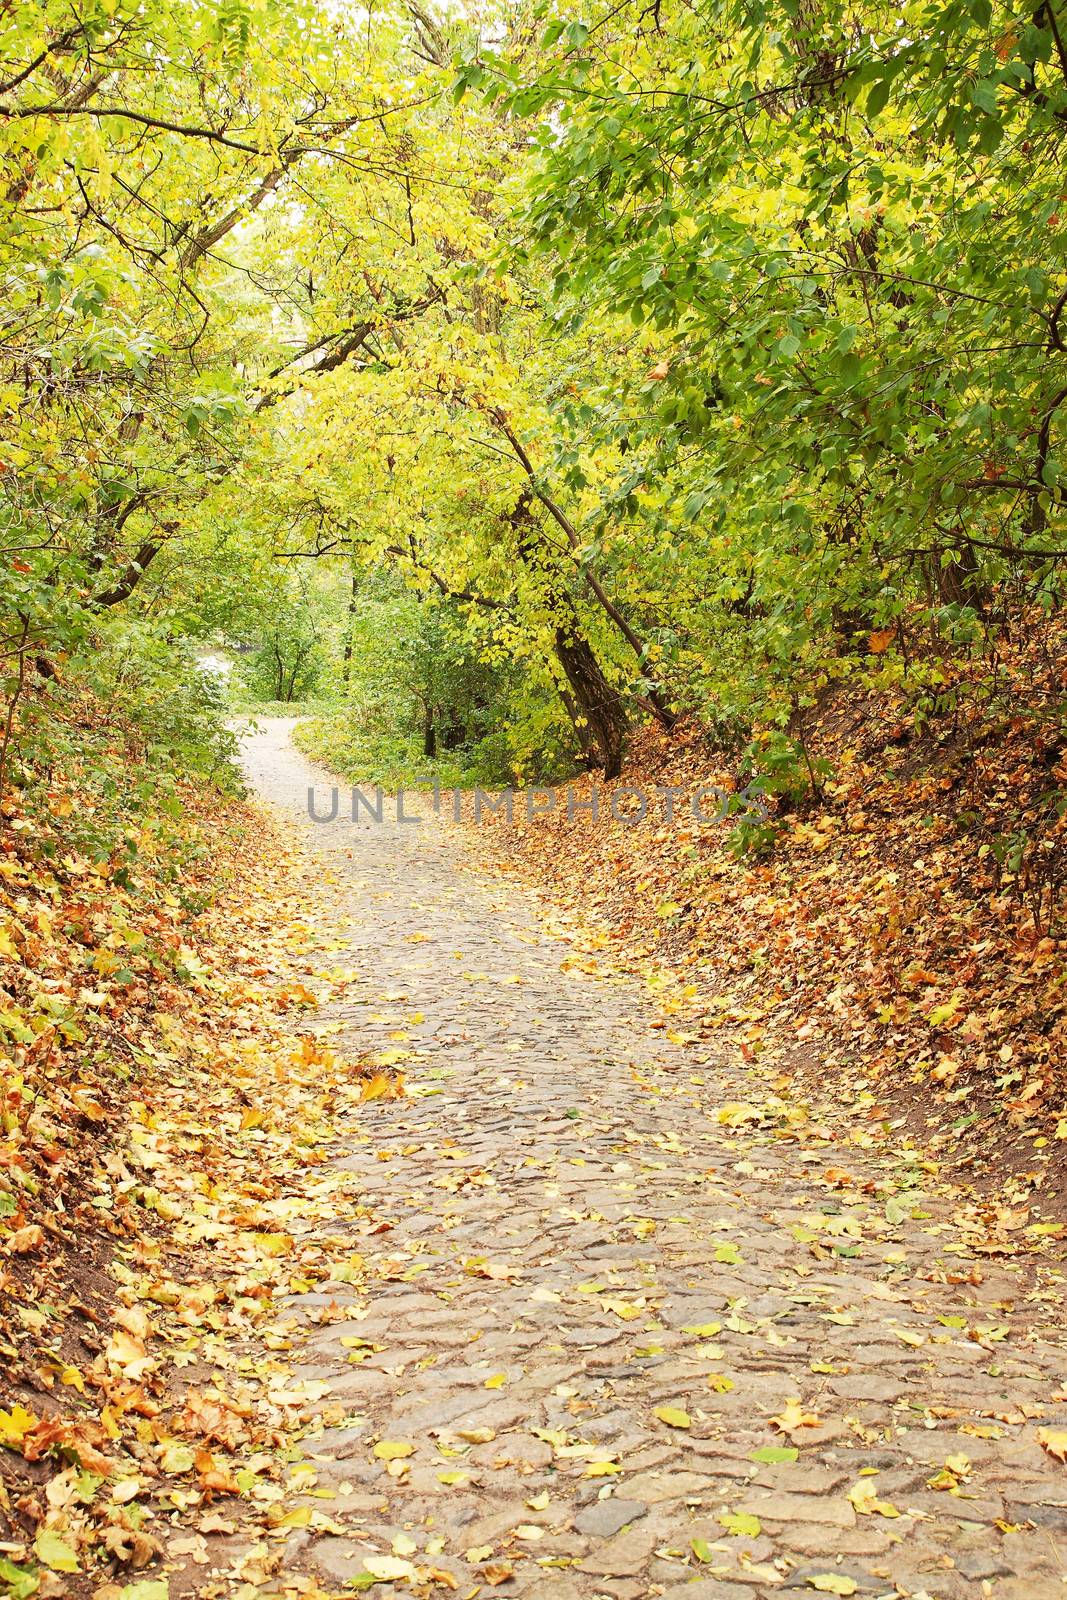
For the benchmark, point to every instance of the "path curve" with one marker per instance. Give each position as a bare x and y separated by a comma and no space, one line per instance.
578,1256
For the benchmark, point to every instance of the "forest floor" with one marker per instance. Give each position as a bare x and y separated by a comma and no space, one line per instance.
606,1316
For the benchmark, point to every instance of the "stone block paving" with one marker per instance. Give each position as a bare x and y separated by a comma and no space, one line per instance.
606,1345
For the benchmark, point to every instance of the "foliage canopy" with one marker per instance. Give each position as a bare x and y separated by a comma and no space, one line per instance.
651,360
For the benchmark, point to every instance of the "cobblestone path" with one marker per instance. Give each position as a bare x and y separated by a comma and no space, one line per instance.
619,1342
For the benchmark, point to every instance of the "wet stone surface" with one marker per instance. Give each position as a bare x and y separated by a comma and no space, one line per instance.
582,1298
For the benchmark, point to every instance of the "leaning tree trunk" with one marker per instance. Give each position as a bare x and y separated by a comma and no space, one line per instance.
593,705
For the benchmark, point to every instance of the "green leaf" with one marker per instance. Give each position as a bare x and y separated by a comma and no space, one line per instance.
55,1552
878,97
21,1582
741,1524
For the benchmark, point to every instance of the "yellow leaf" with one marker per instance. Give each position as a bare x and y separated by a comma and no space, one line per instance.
378,1087
388,1567
125,1350
299,1517
497,1381
865,1501
794,1416
626,1309
15,1425
601,1469
273,1244
393,1449
674,1417
833,1583
742,1524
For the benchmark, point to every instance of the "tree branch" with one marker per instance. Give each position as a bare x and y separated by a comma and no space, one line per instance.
662,712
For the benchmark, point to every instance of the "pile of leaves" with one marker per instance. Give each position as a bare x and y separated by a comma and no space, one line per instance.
162,1106
893,931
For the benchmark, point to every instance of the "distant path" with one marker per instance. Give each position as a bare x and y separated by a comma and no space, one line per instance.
565,1225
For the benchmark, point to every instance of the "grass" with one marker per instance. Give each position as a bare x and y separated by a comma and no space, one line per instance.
366,755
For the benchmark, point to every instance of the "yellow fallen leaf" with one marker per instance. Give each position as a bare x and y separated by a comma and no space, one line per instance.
15,1425
794,1416
299,1517
497,1381
393,1449
125,1350
741,1524
955,1470
865,1501
388,1567
627,1310
383,1085
674,1417
1054,1441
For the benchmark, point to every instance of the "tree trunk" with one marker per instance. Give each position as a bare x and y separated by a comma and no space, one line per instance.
594,707
600,721
652,700
346,658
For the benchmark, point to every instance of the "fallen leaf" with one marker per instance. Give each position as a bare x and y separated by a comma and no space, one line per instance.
674,1417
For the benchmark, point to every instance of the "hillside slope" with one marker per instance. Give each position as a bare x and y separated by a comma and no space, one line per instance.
900,941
